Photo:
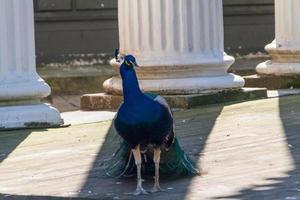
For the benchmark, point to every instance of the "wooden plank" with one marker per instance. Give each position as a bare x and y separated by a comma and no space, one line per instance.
76,16
247,2
249,10
96,4
248,150
53,5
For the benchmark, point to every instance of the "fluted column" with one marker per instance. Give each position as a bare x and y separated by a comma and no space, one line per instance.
177,43
285,49
21,88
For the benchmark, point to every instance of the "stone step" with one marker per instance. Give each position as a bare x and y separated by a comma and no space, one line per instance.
272,82
76,80
246,65
102,101
68,83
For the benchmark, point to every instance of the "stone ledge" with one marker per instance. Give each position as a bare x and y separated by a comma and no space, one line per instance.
76,85
272,82
76,80
191,101
102,101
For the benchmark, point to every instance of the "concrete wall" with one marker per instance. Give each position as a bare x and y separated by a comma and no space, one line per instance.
86,31
75,29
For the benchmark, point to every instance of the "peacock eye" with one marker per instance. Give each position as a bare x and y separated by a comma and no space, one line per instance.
127,64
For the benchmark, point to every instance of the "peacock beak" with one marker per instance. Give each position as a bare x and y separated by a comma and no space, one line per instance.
134,64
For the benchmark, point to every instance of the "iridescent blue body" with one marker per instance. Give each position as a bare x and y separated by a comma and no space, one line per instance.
141,119
145,121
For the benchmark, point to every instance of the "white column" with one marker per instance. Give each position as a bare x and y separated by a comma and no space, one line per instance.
21,88
285,49
177,43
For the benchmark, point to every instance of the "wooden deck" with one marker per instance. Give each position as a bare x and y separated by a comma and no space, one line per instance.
245,151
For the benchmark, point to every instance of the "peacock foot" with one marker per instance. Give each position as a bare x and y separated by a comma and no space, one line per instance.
139,191
157,189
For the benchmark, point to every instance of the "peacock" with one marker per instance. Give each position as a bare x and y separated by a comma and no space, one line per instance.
145,123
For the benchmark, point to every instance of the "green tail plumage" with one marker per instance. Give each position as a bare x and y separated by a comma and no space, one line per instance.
174,162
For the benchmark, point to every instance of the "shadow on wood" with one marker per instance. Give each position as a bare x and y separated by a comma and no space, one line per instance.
287,184
9,140
25,197
192,129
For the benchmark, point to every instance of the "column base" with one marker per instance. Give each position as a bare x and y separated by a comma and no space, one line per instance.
192,85
279,69
27,86
29,116
285,60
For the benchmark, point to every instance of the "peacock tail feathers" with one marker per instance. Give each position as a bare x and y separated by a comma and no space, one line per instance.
174,162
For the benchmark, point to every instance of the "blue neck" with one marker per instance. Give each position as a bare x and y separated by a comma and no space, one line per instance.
131,90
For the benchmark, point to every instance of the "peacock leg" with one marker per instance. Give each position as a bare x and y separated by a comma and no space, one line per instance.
138,161
156,159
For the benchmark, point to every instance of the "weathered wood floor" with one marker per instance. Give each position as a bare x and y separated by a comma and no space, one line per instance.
246,151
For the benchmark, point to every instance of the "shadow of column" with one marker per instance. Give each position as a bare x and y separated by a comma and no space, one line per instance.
192,129
26,197
288,186
9,140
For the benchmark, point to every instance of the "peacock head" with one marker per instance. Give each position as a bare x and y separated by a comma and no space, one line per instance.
130,61
127,66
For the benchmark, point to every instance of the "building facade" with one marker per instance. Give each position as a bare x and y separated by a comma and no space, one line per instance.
87,30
